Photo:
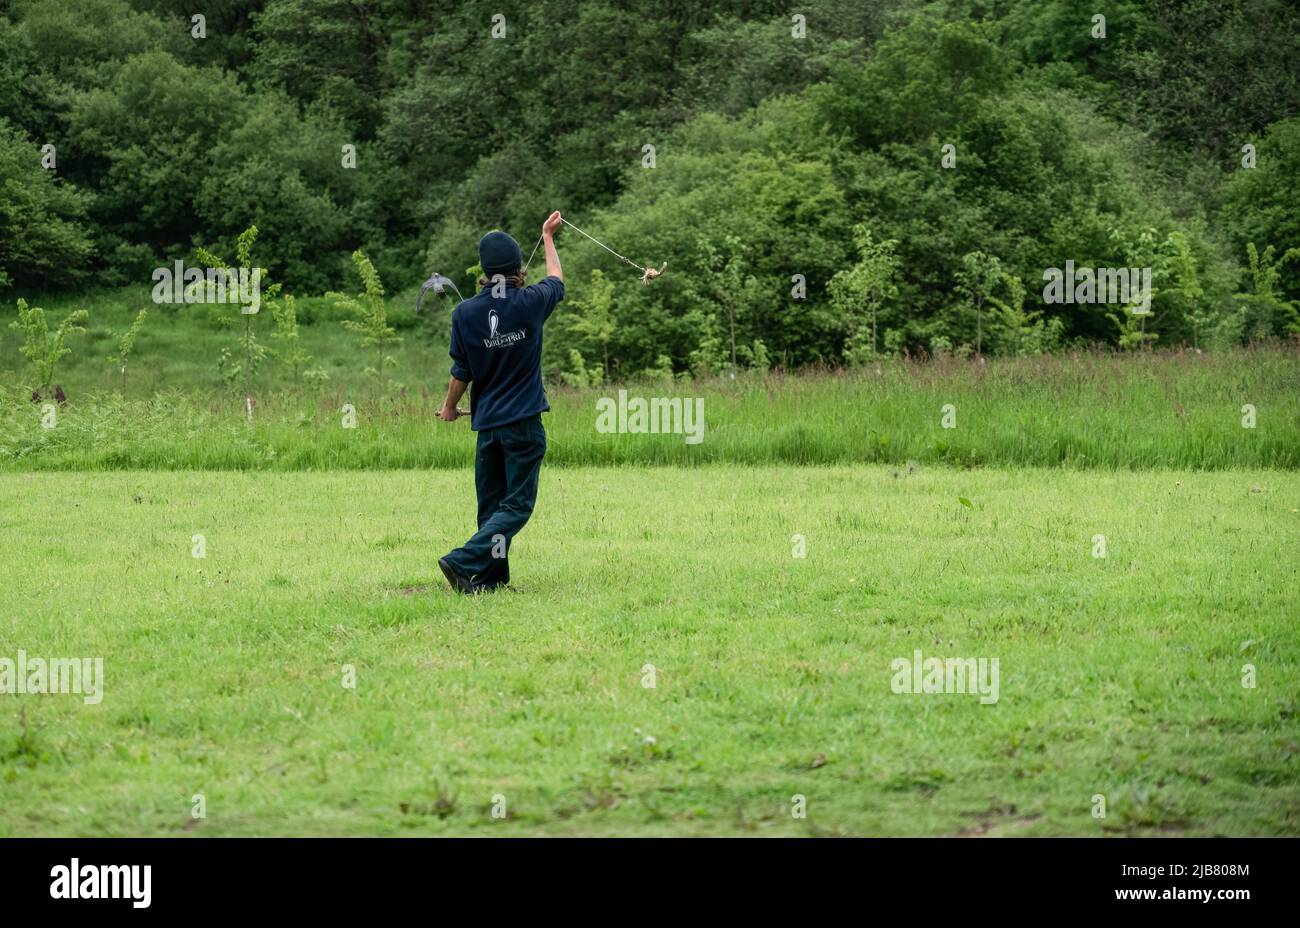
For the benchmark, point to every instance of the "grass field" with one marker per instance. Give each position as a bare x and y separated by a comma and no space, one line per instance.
1119,676
224,676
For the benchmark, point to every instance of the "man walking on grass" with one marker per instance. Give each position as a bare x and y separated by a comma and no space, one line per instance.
496,344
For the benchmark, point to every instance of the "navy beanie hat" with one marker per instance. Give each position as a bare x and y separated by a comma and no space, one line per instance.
498,253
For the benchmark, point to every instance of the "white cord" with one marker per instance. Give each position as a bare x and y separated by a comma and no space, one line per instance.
597,241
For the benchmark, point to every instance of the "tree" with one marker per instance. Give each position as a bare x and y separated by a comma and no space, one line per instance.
371,321
1021,331
126,342
1131,328
43,348
254,353
1265,311
729,283
1136,251
291,352
862,289
1262,204
1265,272
42,239
594,321
1178,265
979,275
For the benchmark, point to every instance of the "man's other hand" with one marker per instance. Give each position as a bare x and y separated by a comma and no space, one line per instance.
552,223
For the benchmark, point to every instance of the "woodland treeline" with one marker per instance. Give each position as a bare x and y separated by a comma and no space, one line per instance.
797,186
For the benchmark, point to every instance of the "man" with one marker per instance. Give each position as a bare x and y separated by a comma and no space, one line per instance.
496,344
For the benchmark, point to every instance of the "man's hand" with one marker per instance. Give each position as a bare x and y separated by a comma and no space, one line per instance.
448,411
551,224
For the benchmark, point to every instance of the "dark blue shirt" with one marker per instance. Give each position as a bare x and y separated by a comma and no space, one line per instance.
496,345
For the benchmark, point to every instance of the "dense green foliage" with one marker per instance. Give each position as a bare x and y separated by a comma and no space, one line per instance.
770,150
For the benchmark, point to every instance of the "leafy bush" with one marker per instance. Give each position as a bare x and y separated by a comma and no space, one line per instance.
43,241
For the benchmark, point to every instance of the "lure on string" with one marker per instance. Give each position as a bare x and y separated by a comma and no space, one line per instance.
647,273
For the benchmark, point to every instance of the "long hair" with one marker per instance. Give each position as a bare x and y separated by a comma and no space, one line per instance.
517,278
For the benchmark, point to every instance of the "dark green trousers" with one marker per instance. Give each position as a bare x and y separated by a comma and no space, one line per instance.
506,467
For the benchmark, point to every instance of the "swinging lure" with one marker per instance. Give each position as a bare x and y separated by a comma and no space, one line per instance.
650,273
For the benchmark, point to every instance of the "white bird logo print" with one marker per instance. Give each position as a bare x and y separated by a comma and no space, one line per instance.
492,324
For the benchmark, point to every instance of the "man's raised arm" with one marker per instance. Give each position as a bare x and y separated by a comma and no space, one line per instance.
553,268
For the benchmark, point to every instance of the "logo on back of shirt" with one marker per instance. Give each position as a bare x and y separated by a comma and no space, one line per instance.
505,339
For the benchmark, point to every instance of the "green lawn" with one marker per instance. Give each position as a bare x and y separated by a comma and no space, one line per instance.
1118,676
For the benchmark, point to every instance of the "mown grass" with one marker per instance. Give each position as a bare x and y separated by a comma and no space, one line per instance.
1119,676
1172,410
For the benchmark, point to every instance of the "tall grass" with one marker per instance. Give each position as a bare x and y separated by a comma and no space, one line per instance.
1175,410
